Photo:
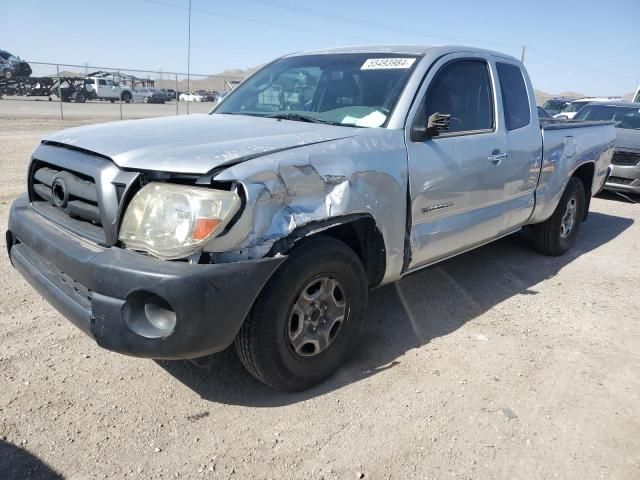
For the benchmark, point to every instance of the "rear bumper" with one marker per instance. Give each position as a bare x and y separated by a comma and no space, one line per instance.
101,290
624,178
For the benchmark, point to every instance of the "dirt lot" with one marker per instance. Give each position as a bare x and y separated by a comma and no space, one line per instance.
500,363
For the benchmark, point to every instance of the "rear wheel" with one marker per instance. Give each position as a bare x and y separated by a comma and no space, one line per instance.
558,233
126,97
7,74
307,318
80,97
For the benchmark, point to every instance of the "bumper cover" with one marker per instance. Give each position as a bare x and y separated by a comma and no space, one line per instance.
624,178
91,286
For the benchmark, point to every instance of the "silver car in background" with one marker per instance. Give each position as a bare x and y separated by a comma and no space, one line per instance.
625,163
555,105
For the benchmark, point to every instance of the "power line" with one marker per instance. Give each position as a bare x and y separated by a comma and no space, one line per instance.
340,18
391,28
567,64
254,20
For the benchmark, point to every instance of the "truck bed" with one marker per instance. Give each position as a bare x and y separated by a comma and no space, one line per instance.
567,144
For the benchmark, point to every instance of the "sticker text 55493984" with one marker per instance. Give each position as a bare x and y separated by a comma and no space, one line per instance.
387,63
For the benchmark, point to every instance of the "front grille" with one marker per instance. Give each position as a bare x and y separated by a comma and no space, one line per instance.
80,191
71,192
620,180
625,158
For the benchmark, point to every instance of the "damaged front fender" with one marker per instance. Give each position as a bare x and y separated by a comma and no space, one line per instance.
364,174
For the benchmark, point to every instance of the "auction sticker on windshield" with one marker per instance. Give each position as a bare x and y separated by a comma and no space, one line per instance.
387,63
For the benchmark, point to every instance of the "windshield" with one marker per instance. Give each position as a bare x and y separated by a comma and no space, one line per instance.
555,104
623,117
7,56
542,113
574,106
343,89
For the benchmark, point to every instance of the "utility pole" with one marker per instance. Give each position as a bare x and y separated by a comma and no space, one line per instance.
524,49
189,59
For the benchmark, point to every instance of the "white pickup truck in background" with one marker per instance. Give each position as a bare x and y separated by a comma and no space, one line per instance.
99,88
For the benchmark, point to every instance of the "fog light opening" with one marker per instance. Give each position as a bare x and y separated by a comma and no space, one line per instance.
161,317
149,315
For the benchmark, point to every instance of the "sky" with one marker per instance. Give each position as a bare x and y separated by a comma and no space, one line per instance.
588,46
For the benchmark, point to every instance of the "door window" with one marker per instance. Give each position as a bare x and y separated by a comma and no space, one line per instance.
461,89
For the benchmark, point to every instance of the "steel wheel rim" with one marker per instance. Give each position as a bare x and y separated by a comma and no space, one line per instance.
568,217
317,316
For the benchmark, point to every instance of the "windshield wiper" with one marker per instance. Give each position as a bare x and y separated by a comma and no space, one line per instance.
299,117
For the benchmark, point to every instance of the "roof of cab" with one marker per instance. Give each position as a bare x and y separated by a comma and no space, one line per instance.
403,49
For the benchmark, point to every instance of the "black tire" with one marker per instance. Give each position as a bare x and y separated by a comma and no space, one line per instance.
80,97
263,343
550,237
126,97
7,74
112,100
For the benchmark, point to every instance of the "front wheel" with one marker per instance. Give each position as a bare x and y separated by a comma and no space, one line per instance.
557,234
307,319
7,74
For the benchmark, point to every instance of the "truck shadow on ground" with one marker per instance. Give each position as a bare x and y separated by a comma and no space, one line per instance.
422,306
625,197
18,464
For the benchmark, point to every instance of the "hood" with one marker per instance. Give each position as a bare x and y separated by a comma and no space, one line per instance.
195,143
628,138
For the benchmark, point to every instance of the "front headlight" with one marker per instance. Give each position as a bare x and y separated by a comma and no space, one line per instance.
172,221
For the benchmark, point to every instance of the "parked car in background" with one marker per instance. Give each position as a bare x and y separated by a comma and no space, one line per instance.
140,94
157,96
266,222
543,114
190,97
169,92
103,87
12,67
555,105
574,107
636,97
207,96
625,173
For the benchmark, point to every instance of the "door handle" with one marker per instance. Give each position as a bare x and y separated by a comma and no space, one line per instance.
497,158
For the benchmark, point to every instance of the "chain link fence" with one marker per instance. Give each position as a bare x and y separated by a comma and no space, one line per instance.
76,92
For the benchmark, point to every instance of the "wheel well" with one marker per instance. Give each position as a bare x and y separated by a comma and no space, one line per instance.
585,174
359,232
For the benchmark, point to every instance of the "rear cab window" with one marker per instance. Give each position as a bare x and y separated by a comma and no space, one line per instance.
515,99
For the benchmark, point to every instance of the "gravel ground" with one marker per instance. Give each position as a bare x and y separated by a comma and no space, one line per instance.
500,363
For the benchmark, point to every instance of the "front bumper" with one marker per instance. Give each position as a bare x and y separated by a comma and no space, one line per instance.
96,288
624,178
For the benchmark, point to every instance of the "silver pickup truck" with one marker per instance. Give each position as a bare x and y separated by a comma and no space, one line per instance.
266,222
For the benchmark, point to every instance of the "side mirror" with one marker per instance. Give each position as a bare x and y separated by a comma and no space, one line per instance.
436,124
